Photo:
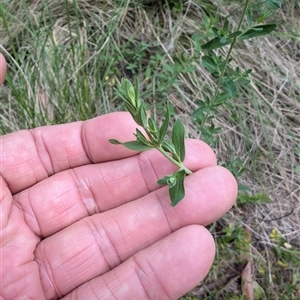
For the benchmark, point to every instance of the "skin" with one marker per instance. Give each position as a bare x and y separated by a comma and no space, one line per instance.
84,219
2,68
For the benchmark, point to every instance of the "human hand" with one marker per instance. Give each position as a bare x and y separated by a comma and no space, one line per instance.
84,219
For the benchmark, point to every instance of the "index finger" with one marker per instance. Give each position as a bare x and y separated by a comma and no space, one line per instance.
2,68
29,156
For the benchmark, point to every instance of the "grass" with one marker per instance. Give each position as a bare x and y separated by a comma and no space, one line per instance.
66,57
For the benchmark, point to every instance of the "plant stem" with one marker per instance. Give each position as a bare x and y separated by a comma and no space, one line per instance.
230,50
227,58
165,154
175,162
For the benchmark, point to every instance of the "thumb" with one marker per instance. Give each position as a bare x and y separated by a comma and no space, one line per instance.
2,68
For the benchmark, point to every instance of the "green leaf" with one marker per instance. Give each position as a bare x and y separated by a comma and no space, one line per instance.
249,17
229,85
129,91
169,147
137,146
297,170
130,95
215,43
127,103
265,15
115,142
141,138
258,30
242,187
164,127
164,180
137,91
120,93
170,180
258,290
178,135
132,145
243,81
259,198
152,126
247,72
221,98
132,110
234,34
140,116
209,63
226,26
177,191
153,130
216,31
175,182
274,4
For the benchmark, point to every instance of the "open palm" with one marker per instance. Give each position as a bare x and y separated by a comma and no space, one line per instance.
84,219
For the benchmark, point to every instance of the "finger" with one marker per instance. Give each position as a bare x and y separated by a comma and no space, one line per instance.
74,194
30,156
95,245
2,69
166,270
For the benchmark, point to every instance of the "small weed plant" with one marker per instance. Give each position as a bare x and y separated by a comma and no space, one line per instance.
228,81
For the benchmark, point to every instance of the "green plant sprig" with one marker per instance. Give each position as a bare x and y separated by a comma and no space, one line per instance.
227,79
155,138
